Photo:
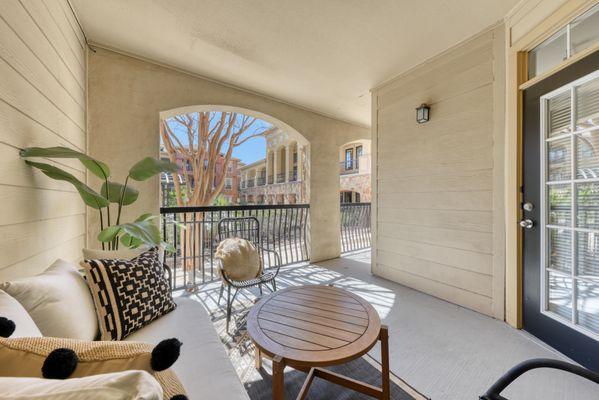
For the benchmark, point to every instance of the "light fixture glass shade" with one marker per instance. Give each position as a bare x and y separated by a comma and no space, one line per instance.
422,113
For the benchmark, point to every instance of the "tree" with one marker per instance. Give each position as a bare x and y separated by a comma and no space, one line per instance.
198,140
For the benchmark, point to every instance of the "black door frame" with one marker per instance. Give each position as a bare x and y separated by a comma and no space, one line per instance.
572,343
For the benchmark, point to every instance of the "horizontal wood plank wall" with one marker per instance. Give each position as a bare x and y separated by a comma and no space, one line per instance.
42,103
436,227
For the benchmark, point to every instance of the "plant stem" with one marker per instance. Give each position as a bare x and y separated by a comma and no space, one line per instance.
118,217
101,225
108,197
122,198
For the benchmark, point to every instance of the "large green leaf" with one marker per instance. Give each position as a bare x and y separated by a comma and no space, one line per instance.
108,234
115,191
96,167
149,166
89,196
130,242
145,231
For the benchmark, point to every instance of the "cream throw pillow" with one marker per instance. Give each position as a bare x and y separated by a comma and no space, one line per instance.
240,259
126,385
13,310
24,357
58,300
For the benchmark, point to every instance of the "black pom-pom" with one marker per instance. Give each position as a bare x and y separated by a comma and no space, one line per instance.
179,397
165,354
59,364
7,327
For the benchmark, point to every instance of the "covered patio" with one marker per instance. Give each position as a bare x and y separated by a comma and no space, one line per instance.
439,349
464,241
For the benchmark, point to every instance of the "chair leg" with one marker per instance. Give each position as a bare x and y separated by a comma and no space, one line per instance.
220,295
260,288
274,285
228,305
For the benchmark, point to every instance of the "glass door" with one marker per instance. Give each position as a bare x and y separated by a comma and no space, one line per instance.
570,215
560,210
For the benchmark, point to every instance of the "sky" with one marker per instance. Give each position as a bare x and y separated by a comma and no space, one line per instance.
250,151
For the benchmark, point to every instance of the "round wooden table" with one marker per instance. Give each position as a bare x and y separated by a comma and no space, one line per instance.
313,326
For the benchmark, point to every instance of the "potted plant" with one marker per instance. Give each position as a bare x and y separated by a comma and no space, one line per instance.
112,195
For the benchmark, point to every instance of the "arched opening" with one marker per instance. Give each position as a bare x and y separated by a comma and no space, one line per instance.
355,195
233,163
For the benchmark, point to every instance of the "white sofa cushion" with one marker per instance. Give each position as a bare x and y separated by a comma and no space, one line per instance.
126,385
203,367
13,310
58,300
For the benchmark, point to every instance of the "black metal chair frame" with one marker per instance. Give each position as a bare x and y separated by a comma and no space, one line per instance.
494,392
246,228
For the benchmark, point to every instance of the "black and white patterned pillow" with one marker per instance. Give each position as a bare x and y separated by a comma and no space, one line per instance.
128,294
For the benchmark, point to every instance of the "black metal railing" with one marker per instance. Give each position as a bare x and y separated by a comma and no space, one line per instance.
355,226
262,181
281,177
193,233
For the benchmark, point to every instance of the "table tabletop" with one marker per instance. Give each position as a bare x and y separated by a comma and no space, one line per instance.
314,325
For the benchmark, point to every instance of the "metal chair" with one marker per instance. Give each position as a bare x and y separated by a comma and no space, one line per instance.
246,228
494,392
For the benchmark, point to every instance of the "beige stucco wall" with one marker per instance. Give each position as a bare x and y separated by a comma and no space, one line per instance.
127,94
438,187
42,103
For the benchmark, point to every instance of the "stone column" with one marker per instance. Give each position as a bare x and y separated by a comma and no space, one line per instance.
325,242
288,170
255,177
276,166
267,165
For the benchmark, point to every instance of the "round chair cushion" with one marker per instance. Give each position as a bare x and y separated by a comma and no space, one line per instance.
240,259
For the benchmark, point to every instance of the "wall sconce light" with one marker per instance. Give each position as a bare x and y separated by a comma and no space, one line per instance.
423,113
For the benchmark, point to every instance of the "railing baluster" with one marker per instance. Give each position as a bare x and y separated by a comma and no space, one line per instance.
354,226
185,236
176,250
283,228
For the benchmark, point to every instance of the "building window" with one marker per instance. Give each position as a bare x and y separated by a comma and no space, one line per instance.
228,183
349,158
580,34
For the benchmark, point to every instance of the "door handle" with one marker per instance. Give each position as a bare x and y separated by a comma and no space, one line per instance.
527,223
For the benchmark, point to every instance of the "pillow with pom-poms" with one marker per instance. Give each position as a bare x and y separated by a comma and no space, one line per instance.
15,321
58,358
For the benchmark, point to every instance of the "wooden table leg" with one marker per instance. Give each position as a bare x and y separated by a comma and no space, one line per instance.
278,378
257,357
384,338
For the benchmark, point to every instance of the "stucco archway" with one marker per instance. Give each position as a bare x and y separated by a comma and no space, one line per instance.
128,95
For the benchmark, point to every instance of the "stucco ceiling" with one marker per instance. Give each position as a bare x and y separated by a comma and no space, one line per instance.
323,55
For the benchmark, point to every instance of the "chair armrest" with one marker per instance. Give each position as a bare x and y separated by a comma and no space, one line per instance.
494,392
278,260
219,266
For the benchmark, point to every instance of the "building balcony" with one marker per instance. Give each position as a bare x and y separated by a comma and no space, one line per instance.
261,181
281,178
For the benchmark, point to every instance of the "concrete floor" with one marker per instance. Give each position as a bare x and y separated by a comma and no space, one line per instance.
443,350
